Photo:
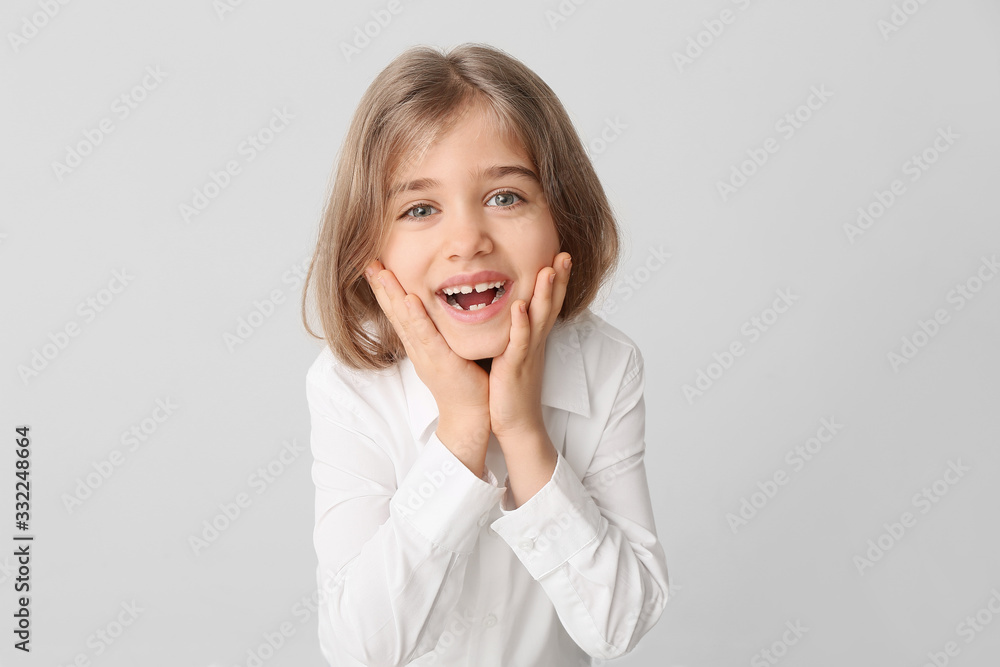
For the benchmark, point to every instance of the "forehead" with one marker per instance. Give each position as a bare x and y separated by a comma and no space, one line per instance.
478,124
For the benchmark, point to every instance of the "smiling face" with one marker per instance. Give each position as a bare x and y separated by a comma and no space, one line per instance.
471,213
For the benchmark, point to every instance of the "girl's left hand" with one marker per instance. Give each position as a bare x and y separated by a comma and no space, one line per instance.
516,374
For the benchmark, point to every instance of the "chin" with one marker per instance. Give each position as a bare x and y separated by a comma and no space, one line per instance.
477,349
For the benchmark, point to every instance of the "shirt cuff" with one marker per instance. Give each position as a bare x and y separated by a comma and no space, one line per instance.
553,525
443,500
489,477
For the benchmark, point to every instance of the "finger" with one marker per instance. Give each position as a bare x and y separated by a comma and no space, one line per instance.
371,273
424,332
395,295
541,301
520,333
561,285
378,289
409,318
379,281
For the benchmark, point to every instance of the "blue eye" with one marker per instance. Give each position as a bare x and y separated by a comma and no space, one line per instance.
420,210
503,199
506,198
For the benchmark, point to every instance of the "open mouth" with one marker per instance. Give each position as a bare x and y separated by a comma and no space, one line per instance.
472,298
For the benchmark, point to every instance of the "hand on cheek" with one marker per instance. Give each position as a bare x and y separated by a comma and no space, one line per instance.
515,390
459,386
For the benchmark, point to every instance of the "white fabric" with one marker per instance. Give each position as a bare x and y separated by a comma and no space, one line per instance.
421,562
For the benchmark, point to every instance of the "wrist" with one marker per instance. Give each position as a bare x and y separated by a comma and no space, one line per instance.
529,430
473,426
467,438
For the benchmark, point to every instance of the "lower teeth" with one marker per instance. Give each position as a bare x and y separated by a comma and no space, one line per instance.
453,303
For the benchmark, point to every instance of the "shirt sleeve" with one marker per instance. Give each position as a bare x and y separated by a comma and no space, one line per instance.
391,560
592,543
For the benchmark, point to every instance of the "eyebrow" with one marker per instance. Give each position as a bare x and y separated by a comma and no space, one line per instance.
494,172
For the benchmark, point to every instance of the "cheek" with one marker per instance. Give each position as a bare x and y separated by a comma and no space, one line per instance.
403,270
545,245
537,246
408,262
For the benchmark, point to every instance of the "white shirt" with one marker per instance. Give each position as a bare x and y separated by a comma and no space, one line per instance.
423,563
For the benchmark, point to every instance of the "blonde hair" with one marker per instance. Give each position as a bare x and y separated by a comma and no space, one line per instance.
418,97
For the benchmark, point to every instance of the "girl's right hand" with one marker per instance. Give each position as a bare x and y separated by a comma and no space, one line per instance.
459,386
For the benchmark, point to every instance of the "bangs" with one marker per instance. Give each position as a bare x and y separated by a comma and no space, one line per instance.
418,127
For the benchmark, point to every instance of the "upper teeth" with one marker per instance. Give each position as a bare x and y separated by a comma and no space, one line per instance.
467,289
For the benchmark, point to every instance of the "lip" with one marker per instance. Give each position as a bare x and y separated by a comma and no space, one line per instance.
481,314
473,278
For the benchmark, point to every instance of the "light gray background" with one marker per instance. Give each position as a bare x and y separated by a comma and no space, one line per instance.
162,337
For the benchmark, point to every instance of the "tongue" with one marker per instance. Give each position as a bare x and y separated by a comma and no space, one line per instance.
475,298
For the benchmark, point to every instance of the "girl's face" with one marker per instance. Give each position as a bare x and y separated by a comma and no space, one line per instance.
471,212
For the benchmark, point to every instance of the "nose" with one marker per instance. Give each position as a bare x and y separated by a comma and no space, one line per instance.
466,233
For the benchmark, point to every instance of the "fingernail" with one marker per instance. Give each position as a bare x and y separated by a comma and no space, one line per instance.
369,271
521,307
552,278
407,302
381,279
567,263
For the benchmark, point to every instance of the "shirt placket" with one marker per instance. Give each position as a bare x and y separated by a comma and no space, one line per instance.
490,613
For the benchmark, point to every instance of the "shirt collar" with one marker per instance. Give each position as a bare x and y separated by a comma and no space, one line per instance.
564,381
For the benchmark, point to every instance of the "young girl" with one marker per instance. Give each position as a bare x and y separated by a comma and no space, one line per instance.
465,237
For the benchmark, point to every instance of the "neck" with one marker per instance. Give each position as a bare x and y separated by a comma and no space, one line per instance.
485,364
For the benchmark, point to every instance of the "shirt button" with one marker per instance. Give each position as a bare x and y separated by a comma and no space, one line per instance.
526,544
490,620
483,518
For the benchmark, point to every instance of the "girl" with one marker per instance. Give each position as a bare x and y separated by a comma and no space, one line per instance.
464,239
